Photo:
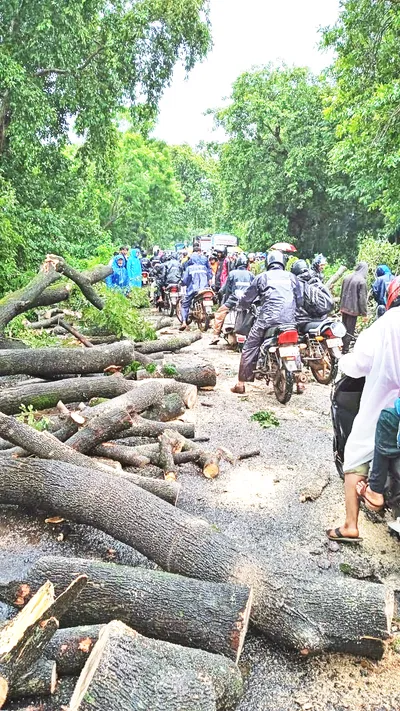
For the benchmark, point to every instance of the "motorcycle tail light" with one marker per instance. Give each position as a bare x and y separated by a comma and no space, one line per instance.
288,337
328,333
241,339
174,288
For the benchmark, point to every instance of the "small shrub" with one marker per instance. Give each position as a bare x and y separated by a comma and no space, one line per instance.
30,417
265,419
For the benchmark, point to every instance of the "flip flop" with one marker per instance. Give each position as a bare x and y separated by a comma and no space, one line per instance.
369,505
340,538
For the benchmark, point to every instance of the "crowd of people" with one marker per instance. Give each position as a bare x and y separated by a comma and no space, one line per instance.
299,295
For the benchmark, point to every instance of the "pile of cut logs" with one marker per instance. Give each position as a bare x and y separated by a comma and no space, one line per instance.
92,635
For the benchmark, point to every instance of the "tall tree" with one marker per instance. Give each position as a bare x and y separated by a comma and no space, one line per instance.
274,168
365,103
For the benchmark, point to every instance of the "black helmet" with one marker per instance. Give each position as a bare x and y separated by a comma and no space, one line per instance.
299,267
242,260
275,257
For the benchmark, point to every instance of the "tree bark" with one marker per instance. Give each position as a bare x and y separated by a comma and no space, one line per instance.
23,638
44,396
22,300
209,616
71,647
123,677
170,408
80,279
166,490
39,680
209,461
147,428
203,376
100,429
62,292
127,456
323,614
166,458
45,362
186,391
79,337
173,343
335,277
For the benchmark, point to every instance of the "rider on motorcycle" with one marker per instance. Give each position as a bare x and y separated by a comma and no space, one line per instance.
318,266
280,294
172,270
238,281
146,263
317,299
196,277
157,272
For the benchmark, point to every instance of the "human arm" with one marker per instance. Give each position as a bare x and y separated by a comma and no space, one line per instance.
250,295
363,299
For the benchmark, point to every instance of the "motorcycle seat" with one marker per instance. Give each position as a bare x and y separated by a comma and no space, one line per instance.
310,326
204,291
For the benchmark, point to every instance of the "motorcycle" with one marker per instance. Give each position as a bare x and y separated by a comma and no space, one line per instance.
280,360
201,309
237,326
171,298
321,348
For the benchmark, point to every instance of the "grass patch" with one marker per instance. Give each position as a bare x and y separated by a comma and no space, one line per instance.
265,419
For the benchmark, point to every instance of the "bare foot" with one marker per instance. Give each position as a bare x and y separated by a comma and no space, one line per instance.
238,389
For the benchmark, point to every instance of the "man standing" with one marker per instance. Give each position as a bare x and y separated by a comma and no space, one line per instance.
353,301
380,286
280,295
196,277
238,281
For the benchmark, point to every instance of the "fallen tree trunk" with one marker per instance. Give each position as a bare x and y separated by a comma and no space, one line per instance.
44,396
209,461
120,676
202,376
148,428
40,680
62,292
147,654
186,391
209,616
167,490
48,361
127,456
71,647
173,343
170,408
290,608
79,278
79,337
22,300
336,276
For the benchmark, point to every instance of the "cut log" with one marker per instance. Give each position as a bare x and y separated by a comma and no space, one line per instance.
23,638
147,428
59,701
166,490
209,461
40,680
22,300
162,322
71,647
127,456
209,616
62,292
141,397
203,376
47,361
44,323
129,675
173,343
43,396
336,276
327,613
166,458
170,408
101,428
148,472
42,444
186,391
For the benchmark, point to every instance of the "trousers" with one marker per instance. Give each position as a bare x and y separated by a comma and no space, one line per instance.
219,318
386,451
251,350
185,305
349,322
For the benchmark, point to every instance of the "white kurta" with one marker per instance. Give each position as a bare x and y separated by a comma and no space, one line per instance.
376,356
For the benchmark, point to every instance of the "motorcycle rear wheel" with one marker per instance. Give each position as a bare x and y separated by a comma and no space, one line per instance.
325,372
283,385
178,310
204,322
172,308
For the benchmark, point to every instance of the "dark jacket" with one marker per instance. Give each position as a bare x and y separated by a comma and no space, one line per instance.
380,285
280,295
197,274
353,299
146,264
238,281
317,299
172,272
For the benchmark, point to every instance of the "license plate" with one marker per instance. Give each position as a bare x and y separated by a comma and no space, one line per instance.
174,299
241,339
288,351
208,303
334,342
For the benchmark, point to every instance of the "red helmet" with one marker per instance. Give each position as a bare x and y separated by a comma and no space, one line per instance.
393,292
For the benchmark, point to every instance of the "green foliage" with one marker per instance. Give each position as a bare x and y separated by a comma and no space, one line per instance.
376,252
132,367
265,419
33,338
139,298
274,169
151,368
119,317
30,417
364,106
169,370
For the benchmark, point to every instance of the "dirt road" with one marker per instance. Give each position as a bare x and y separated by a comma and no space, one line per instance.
259,503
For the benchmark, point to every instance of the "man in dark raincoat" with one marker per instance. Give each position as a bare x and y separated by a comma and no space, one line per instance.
196,277
354,301
280,295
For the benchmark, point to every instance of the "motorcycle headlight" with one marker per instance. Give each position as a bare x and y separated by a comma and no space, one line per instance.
338,330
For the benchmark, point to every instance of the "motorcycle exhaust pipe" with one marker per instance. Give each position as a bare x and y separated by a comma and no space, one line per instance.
301,378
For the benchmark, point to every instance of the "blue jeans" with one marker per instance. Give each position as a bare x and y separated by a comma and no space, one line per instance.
386,454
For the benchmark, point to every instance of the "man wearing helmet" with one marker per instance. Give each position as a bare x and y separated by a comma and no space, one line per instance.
376,357
280,294
317,300
238,281
318,266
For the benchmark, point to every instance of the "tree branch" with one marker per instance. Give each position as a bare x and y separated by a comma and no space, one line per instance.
81,67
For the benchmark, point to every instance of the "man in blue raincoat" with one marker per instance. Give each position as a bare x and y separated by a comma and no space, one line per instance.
380,286
119,277
134,269
196,277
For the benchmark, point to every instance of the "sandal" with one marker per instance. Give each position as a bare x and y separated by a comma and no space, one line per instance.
362,496
340,538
